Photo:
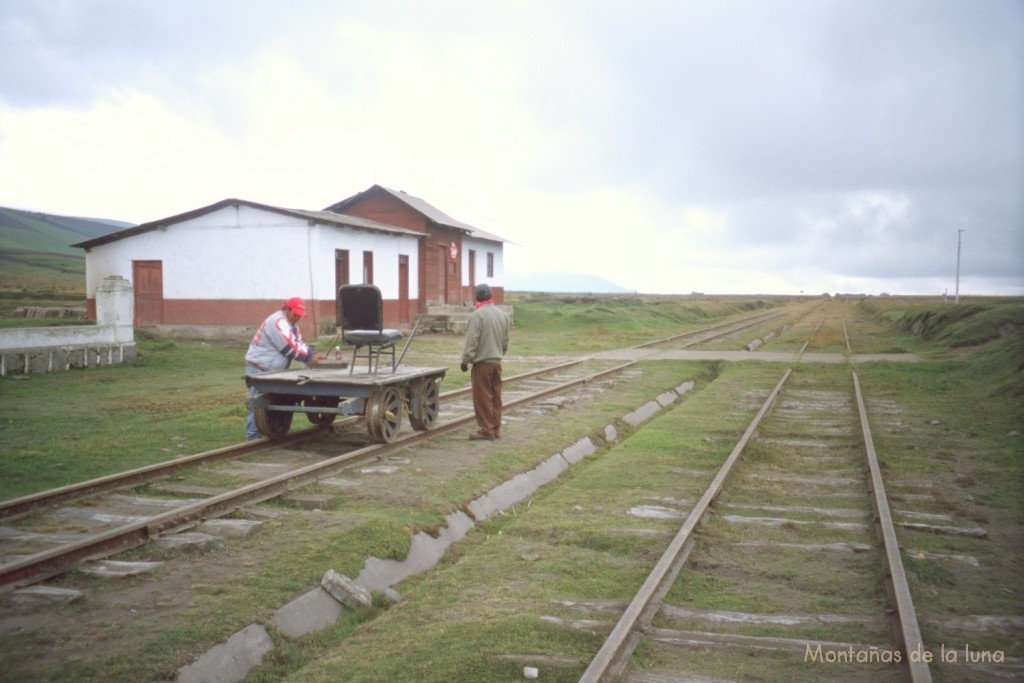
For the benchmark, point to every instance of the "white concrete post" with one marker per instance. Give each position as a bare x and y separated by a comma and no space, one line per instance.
115,306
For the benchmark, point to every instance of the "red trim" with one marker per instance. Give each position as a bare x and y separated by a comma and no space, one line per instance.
251,312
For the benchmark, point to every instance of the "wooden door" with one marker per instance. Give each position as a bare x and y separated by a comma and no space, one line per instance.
148,277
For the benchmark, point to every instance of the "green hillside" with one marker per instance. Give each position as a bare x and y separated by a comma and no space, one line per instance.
47,233
37,260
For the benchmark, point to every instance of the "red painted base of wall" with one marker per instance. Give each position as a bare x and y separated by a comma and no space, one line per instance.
321,315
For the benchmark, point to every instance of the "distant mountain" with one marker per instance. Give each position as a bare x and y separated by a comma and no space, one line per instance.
561,282
33,231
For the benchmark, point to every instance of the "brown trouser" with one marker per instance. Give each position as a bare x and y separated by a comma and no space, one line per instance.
486,379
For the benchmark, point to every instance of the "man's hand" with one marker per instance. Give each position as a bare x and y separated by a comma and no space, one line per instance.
464,366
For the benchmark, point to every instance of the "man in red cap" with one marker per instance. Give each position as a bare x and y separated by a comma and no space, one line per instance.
275,344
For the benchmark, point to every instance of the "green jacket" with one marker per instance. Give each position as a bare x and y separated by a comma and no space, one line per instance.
486,335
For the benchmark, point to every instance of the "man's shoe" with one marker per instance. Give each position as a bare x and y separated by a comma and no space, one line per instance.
480,436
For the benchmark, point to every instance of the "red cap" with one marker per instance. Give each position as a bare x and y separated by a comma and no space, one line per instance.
297,305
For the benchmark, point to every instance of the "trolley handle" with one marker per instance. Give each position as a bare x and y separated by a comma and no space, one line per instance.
407,342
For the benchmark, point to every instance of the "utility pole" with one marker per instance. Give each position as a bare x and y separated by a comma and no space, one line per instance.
958,234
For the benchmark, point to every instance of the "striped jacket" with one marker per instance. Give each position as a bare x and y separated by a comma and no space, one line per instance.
276,343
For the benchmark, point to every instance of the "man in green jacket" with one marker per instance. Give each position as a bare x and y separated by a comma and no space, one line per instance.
486,345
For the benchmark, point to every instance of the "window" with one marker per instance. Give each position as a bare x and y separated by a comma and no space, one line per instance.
490,264
368,267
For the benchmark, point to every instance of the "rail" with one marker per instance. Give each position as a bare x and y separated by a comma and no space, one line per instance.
57,560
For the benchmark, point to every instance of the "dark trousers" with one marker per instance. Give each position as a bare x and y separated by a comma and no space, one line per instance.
486,380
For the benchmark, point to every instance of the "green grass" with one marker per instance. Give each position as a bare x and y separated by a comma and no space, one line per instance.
64,427
26,276
484,602
971,323
575,324
227,602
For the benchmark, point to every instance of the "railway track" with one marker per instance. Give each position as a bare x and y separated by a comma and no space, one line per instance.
789,506
132,522
18,507
783,576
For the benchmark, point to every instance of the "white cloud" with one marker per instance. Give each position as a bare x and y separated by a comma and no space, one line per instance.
717,147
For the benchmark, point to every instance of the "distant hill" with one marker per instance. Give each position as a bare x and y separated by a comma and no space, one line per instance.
33,231
36,255
561,282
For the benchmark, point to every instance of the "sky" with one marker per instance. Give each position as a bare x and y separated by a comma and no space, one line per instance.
668,146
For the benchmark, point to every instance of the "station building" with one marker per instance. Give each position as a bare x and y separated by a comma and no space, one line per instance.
235,261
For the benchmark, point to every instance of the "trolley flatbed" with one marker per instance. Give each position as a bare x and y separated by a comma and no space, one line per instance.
325,392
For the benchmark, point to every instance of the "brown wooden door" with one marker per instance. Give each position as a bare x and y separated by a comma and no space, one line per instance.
148,277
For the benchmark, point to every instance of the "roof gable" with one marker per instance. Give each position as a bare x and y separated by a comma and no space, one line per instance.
419,205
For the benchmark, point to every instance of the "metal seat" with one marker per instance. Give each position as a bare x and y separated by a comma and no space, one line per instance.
361,319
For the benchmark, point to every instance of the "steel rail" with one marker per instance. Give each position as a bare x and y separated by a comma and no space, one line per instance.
734,326
18,507
128,536
56,561
800,353
611,659
908,630
529,374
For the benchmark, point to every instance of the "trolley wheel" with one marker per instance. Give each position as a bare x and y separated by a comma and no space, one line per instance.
321,419
384,415
424,404
273,424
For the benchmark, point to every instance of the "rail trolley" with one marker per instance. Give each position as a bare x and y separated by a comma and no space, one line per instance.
336,388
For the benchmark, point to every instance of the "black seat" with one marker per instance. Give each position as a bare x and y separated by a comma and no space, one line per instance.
361,319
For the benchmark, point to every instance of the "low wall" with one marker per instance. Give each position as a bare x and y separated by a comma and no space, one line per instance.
35,350
51,312
74,355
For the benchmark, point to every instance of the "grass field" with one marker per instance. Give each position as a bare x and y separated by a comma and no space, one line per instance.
454,623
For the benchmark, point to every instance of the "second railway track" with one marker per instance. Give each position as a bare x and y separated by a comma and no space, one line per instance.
787,567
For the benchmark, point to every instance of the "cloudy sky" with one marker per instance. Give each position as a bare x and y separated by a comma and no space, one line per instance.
669,146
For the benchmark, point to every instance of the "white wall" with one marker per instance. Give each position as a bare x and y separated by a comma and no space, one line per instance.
45,349
482,248
248,253
386,248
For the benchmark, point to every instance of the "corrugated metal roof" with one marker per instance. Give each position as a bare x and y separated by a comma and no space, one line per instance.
327,217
